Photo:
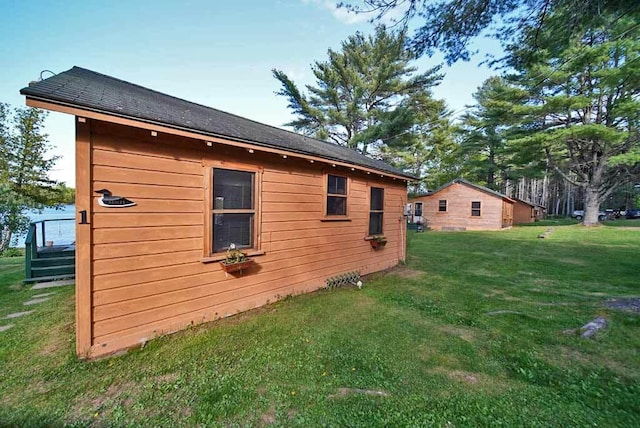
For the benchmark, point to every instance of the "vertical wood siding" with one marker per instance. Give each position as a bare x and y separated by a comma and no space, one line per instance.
148,274
523,213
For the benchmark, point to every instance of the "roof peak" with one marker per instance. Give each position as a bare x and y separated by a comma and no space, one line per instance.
461,180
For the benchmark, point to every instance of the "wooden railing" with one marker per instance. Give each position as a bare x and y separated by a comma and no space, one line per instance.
31,243
30,249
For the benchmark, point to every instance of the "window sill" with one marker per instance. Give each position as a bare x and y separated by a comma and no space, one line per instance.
335,219
222,256
372,237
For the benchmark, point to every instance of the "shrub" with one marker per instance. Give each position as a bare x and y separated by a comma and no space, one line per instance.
12,252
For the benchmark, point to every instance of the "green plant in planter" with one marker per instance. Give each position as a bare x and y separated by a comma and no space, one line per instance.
378,241
234,256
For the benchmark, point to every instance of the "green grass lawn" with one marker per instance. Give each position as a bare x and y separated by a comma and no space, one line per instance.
468,333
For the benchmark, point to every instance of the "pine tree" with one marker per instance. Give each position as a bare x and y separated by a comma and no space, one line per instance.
427,149
583,109
483,133
450,25
363,93
24,168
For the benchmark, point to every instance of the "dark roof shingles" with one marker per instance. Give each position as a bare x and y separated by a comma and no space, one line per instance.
98,92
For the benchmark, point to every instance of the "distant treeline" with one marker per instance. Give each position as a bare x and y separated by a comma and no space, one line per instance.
67,195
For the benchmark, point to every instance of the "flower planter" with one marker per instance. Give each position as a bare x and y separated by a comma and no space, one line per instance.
236,267
375,244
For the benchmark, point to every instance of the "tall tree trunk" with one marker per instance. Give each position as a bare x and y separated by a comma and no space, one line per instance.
545,192
6,239
591,207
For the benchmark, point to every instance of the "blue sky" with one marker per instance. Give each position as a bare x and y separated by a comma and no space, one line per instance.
217,53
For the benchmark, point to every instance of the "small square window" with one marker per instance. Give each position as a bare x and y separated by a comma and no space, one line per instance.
232,228
337,185
475,209
336,205
442,205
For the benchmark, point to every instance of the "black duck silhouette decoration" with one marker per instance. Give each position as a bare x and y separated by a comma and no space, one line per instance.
110,201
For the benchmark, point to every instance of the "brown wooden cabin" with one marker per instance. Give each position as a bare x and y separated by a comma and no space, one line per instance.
462,205
302,209
523,212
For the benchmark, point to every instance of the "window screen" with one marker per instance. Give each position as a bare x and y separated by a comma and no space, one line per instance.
233,209
336,195
376,211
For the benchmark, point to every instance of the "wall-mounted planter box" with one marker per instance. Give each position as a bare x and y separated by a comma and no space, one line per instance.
236,267
376,244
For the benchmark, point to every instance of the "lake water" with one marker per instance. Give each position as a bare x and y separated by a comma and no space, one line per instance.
60,232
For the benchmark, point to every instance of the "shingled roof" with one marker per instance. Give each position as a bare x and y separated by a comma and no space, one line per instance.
475,186
88,90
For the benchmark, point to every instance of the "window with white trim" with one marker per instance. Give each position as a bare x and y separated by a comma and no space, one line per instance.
418,209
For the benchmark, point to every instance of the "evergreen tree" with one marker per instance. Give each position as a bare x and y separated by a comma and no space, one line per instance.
450,25
427,149
483,133
24,184
363,93
482,141
583,109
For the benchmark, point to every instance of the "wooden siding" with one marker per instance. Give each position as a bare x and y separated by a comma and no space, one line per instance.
523,213
84,337
494,213
148,272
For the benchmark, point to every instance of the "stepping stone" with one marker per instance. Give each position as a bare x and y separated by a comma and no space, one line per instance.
37,296
18,314
5,327
36,301
51,284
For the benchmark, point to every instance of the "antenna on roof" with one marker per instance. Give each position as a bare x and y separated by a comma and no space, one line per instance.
33,82
46,71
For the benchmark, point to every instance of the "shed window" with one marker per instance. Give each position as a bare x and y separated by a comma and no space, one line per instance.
336,195
233,209
418,209
442,205
475,209
376,211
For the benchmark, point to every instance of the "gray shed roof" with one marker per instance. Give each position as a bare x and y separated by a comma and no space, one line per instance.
88,90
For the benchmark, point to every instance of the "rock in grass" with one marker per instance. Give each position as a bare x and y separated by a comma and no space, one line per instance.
544,235
591,328
631,304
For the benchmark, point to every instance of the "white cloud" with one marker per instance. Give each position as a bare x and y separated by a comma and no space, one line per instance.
341,14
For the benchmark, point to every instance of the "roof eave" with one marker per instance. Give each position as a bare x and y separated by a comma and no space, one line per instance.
80,110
